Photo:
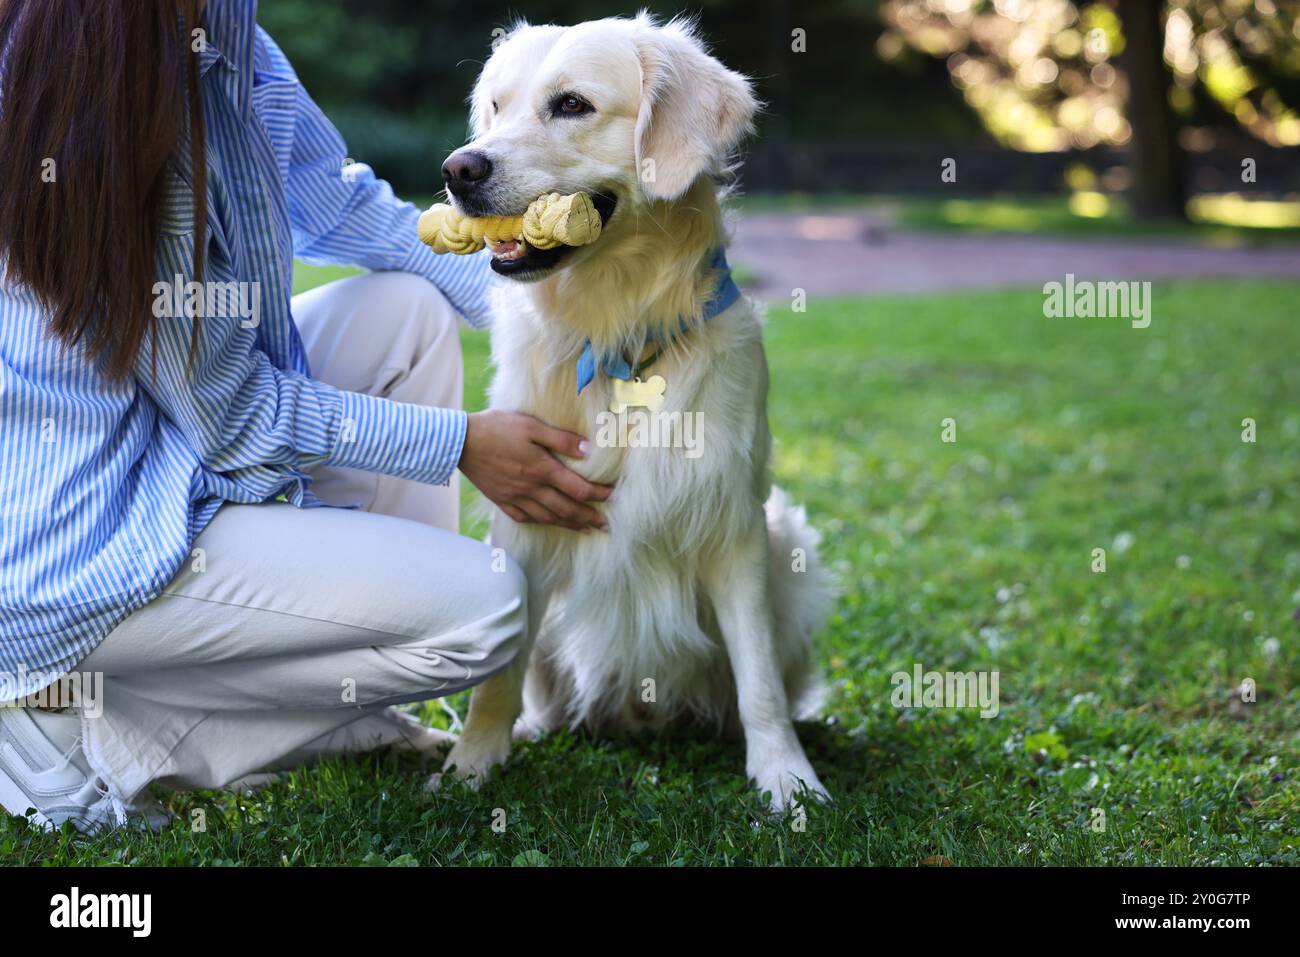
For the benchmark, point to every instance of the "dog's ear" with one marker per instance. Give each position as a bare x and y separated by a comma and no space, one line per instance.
693,110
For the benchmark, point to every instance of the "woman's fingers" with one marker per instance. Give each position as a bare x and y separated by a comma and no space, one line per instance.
565,479
524,478
578,488
516,514
558,440
536,512
575,515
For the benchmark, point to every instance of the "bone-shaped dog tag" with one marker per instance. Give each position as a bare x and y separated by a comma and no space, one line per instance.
634,392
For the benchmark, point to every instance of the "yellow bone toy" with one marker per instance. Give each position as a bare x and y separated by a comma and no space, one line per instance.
551,221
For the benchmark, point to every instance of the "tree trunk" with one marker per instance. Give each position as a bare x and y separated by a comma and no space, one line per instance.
1157,163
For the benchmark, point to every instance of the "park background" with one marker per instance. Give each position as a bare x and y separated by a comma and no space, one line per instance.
1150,713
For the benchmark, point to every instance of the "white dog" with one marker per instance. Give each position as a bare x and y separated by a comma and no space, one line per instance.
701,599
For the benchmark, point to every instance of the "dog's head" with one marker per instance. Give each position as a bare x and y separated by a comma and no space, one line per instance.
628,111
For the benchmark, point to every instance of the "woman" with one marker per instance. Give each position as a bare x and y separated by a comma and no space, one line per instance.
172,422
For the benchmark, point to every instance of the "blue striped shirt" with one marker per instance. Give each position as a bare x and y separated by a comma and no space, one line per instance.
104,485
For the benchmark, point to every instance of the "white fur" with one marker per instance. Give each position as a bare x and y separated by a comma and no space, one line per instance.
694,586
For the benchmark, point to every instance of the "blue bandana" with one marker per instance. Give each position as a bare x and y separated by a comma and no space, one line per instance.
617,367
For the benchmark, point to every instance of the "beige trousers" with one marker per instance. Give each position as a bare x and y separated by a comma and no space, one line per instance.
302,626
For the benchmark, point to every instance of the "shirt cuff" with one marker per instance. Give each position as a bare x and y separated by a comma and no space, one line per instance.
417,442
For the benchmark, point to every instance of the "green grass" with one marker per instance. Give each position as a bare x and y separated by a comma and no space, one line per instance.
1218,220
1116,688
309,277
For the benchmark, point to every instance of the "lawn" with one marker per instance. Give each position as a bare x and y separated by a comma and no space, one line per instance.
1117,687
1228,220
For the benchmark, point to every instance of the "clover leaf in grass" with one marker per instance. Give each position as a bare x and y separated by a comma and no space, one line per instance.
530,858
1046,744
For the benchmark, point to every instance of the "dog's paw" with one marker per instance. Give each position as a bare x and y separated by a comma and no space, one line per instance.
790,783
526,730
472,761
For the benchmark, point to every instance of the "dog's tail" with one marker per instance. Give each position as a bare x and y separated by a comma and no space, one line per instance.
802,594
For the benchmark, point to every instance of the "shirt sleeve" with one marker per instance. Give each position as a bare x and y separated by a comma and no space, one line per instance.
342,213
238,410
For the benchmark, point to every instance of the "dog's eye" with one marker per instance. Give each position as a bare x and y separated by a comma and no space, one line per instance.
495,109
568,104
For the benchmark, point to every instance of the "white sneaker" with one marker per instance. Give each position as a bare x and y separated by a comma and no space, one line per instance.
43,769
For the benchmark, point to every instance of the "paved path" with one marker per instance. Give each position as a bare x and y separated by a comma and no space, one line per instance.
854,254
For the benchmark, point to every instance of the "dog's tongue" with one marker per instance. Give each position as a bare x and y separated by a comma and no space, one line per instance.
511,249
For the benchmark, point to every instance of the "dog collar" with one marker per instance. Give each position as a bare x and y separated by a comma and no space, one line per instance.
617,366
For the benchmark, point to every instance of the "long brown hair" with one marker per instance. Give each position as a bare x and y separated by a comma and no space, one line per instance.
93,100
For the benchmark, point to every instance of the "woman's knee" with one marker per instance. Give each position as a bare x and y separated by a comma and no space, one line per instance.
384,333
507,604
425,341
491,633
504,603
418,302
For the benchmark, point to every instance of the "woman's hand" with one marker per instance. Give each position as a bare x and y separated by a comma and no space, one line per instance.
505,456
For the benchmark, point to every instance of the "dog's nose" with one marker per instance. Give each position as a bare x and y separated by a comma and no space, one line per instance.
465,169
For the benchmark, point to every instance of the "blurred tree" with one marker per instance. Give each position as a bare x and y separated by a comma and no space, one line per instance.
1158,166
394,74
1155,76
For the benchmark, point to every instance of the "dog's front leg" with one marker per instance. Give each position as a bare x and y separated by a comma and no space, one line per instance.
737,586
494,705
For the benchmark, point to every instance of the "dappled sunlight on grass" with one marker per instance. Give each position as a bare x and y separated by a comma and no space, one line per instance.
992,214
1233,209
1226,219
1089,204
813,458
1222,219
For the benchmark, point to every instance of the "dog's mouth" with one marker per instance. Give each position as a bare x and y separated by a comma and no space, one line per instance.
518,260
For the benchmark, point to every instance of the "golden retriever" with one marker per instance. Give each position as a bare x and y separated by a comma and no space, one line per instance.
700,601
